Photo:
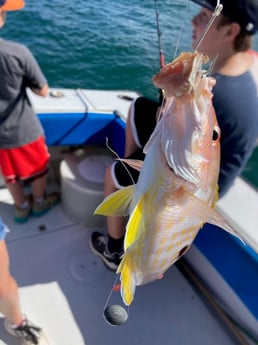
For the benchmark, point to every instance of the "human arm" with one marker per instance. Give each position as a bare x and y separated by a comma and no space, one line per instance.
43,91
33,75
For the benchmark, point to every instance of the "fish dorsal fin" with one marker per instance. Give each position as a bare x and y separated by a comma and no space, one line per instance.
135,224
117,203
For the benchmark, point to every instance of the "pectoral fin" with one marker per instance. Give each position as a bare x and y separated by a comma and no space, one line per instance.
202,211
117,203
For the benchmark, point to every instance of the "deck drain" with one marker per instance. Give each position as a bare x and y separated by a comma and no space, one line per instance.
42,227
85,267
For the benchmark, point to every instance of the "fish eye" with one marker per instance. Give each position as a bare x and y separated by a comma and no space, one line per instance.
216,134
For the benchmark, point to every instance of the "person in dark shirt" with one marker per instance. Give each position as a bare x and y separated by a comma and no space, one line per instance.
235,101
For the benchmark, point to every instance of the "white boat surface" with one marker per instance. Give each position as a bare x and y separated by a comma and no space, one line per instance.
64,287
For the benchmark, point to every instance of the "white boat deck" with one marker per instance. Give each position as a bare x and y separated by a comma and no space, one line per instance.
64,288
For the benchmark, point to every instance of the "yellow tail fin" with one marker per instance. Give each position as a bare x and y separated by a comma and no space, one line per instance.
127,278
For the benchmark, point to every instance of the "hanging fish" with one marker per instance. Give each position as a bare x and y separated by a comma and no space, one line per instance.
177,188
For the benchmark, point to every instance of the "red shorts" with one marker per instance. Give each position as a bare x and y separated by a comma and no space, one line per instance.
25,162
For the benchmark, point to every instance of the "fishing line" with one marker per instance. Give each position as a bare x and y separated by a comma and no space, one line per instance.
110,294
215,13
181,32
118,158
115,314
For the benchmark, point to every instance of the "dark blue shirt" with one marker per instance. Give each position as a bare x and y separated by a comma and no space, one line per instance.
237,115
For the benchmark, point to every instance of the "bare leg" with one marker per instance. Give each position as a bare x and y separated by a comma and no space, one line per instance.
17,193
39,187
130,144
9,298
38,190
115,225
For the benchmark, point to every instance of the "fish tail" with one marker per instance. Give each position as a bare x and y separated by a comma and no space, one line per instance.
127,279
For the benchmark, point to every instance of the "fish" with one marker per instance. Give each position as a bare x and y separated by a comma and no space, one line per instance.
177,189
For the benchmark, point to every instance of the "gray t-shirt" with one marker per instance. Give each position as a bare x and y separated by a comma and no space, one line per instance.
18,69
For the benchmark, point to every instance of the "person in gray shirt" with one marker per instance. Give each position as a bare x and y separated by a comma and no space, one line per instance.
23,152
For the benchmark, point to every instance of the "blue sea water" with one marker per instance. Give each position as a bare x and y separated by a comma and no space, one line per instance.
105,44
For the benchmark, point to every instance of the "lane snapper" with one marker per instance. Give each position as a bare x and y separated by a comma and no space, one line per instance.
177,188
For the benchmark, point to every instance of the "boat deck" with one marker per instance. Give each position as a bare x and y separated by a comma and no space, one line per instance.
64,288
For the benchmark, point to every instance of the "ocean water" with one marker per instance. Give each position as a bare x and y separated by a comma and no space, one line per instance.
106,44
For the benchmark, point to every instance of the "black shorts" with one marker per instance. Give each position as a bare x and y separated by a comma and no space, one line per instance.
143,117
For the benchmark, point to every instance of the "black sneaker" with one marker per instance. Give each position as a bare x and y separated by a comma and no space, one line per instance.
28,333
98,244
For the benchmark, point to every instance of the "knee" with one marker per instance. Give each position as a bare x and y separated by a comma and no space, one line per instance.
108,175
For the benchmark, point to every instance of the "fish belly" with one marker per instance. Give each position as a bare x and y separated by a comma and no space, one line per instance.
159,252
